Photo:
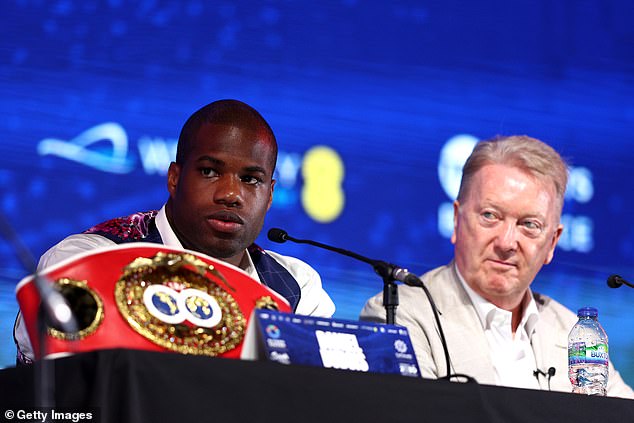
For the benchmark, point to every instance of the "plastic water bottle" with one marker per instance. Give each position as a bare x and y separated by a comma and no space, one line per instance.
588,354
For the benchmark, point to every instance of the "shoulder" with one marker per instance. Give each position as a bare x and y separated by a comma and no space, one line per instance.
548,304
134,227
300,270
440,276
70,246
554,312
314,301
442,283
413,303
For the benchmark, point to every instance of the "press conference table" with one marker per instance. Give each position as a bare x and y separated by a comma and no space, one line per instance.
140,386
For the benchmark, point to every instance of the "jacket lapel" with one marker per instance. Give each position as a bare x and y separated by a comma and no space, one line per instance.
466,341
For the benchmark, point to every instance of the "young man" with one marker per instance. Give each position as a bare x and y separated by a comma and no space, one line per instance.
506,227
220,188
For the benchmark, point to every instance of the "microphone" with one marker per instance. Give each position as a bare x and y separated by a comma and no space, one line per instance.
54,310
382,268
549,374
389,272
55,307
278,235
615,281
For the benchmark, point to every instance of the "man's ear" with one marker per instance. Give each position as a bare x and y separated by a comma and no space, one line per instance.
271,194
456,211
173,173
553,243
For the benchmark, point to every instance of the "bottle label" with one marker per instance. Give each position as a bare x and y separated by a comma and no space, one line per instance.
579,353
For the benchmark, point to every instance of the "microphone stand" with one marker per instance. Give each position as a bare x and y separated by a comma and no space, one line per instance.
390,274
53,310
390,290
382,268
388,271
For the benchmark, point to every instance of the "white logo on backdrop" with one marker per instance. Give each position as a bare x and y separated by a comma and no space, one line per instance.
105,147
155,153
112,159
453,155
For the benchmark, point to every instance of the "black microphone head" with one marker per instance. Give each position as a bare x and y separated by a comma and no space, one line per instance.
551,371
614,281
278,235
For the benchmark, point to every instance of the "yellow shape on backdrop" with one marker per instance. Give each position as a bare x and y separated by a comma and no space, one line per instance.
322,194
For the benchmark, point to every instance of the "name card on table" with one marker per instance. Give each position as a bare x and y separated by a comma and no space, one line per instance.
331,343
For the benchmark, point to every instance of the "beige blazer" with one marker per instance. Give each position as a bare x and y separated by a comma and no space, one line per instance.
467,344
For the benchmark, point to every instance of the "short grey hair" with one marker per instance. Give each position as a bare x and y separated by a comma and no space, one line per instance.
521,151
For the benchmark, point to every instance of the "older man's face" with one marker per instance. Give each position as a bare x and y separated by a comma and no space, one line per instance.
505,230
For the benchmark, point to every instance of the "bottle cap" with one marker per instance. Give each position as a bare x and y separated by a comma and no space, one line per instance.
587,312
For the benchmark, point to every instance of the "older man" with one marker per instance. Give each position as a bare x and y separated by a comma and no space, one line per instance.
506,227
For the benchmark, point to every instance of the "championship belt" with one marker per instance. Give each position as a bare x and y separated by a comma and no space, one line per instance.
149,297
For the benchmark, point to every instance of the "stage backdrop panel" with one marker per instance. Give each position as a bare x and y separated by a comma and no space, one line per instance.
375,106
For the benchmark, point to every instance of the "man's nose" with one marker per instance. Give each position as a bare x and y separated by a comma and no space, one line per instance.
228,191
506,238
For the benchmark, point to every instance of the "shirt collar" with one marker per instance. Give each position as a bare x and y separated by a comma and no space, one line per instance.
488,311
167,233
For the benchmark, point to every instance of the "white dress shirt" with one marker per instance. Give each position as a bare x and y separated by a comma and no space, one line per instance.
512,355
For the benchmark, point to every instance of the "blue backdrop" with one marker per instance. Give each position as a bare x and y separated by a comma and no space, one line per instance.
375,105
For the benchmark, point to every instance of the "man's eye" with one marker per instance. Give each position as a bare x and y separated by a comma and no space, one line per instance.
532,226
488,215
208,172
251,180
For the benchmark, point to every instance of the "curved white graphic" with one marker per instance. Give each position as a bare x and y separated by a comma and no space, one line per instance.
77,149
452,158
